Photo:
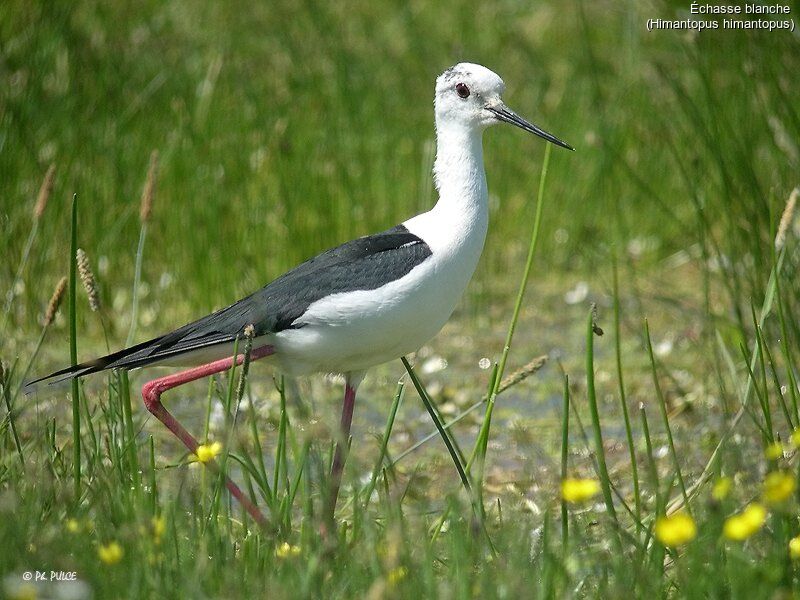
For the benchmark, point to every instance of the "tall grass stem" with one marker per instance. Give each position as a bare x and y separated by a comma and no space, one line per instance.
564,463
605,481
623,400
662,405
73,352
137,279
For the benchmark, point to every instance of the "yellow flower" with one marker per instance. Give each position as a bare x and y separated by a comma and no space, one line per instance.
159,527
286,550
774,451
72,526
110,553
721,489
742,526
794,547
207,452
778,486
579,490
675,530
24,591
396,575
795,438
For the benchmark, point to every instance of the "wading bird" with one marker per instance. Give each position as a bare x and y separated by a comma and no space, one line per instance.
366,302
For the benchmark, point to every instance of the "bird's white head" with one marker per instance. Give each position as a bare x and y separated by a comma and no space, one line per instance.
469,96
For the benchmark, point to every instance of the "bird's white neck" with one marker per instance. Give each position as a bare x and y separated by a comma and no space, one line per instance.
459,220
459,174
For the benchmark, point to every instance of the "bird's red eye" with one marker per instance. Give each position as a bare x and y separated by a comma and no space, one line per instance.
462,90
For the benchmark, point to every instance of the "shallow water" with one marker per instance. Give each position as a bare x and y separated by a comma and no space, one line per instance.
524,446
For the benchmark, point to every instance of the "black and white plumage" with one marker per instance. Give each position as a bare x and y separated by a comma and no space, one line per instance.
375,298
364,264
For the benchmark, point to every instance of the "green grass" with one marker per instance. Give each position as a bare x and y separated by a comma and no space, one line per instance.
283,129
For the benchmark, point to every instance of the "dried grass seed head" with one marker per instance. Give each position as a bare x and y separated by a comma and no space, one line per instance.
55,301
149,191
87,279
44,192
787,218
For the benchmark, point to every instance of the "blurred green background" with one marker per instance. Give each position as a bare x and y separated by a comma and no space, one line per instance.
287,127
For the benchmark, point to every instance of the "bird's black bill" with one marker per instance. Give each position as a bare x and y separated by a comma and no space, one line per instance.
509,116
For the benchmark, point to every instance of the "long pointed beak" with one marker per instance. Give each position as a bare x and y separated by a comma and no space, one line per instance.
505,114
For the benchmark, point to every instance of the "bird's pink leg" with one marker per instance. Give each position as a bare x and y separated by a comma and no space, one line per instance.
340,454
152,390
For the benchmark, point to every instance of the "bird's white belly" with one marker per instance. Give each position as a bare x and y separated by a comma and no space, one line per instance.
353,331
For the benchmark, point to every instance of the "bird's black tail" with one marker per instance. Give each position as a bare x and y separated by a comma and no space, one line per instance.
127,358
214,331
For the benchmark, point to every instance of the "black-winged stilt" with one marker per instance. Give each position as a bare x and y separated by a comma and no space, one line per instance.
358,305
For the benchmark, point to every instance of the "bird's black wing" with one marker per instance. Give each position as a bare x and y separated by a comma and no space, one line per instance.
366,263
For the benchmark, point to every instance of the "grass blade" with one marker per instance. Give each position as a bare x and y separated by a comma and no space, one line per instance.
564,464
665,418
449,442
384,443
598,434
623,400
73,352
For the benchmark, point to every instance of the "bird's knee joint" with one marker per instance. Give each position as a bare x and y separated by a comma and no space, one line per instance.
151,394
